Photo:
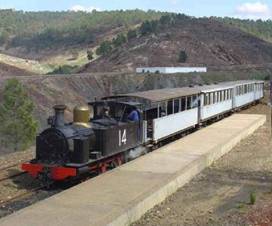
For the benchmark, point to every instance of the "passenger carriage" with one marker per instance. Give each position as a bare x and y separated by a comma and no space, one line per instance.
244,93
167,111
259,90
215,100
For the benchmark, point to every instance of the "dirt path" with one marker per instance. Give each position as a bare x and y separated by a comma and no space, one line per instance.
221,194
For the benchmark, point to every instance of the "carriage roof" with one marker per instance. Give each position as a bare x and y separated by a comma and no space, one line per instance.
159,95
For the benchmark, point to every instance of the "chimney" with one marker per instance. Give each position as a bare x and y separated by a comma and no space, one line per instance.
59,115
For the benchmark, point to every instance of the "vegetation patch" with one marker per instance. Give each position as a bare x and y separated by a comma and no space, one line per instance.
18,126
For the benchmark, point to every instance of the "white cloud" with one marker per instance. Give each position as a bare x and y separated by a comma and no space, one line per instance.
253,10
89,9
174,2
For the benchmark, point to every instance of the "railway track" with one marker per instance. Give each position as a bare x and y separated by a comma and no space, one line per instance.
6,180
5,175
20,196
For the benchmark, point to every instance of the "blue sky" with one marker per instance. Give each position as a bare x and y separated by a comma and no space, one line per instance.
236,8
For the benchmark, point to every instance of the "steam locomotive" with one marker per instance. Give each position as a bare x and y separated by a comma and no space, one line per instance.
86,145
111,137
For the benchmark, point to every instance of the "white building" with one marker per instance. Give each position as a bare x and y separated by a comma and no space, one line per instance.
171,70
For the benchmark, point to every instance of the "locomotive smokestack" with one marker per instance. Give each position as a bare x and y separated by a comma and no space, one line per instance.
59,115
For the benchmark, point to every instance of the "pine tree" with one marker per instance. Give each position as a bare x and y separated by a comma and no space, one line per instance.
18,127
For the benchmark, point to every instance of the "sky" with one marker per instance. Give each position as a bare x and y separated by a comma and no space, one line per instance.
234,8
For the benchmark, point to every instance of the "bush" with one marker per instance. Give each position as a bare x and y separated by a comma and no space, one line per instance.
119,40
64,69
182,56
146,28
104,49
267,78
165,20
131,34
18,126
90,54
252,198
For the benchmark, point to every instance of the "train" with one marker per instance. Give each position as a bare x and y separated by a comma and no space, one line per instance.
126,126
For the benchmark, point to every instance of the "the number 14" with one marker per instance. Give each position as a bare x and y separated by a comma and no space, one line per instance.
122,137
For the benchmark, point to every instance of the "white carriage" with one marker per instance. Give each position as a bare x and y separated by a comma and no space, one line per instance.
167,112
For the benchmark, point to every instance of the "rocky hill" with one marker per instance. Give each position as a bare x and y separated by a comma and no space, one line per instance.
205,41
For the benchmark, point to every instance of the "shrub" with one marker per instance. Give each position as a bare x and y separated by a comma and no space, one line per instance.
104,49
64,69
252,198
18,126
131,34
182,56
90,54
119,40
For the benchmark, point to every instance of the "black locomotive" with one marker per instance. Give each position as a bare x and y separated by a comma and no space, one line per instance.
87,144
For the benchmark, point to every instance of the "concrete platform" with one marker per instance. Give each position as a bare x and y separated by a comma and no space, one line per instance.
122,196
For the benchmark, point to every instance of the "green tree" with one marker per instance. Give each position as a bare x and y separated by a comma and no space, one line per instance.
4,36
119,40
104,49
146,28
182,56
18,127
90,54
165,20
131,34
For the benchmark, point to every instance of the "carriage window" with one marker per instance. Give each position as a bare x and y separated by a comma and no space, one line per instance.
189,103
170,107
195,102
215,98
183,103
176,105
212,98
207,99
163,110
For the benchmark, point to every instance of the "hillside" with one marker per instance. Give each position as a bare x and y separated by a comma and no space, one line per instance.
258,28
205,41
35,35
8,70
